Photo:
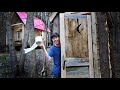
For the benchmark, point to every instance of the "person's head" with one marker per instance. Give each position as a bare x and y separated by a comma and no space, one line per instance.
56,39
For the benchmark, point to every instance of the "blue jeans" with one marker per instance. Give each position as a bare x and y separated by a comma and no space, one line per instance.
58,75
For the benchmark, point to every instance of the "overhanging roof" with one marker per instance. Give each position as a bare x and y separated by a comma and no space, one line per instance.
38,23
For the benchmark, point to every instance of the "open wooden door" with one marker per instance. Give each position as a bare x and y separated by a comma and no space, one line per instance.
75,48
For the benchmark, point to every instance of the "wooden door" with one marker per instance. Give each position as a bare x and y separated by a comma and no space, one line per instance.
75,46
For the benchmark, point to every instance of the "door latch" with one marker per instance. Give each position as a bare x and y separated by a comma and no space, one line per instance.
64,64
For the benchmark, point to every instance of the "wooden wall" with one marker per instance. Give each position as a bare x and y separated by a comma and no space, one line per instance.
56,24
15,29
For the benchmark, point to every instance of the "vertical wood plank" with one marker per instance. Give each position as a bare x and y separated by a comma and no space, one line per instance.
94,42
91,70
62,40
23,28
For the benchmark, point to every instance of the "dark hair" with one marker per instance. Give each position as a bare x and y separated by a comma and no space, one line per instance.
55,35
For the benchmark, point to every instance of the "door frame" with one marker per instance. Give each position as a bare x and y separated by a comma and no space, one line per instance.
90,45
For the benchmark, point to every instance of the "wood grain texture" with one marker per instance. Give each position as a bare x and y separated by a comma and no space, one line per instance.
76,43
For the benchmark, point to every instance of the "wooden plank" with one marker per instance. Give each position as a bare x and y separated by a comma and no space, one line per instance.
56,25
78,59
85,13
82,13
76,62
62,40
94,42
76,44
75,16
23,28
77,72
16,24
53,16
91,70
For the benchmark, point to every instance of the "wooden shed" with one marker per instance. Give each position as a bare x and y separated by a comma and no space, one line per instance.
79,46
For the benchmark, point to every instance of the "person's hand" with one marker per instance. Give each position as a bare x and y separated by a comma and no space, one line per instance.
42,45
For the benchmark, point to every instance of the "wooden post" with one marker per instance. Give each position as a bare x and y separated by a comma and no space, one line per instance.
53,16
62,40
23,28
94,42
91,70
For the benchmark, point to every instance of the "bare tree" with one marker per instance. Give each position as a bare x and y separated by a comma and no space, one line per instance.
32,40
113,19
13,57
103,45
25,43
